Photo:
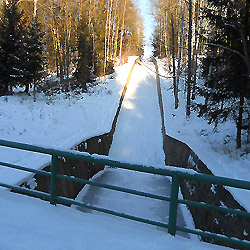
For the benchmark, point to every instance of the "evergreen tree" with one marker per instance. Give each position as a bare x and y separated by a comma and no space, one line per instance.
84,66
224,67
157,46
12,46
33,64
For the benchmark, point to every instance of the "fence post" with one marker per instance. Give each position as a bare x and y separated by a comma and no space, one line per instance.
173,205
53,180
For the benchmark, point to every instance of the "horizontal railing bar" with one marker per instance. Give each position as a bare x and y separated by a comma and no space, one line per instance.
124,190
35,171
104,160
230,182
216,208
146,169
107,211
184,175
26,191
215,236
85,157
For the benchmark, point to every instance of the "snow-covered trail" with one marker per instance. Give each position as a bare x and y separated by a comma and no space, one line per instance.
137,139
138,135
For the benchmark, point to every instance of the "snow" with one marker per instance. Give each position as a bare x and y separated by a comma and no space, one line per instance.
138,134
138,138
28,223
215,148
60,122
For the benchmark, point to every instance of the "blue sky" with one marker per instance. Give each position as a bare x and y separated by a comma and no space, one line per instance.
145,9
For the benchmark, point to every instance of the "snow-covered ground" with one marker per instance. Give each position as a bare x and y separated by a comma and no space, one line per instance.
138,139
28,223
138,136
62,123
215,149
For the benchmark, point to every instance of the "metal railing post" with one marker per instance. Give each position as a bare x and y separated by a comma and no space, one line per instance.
173,205
53,180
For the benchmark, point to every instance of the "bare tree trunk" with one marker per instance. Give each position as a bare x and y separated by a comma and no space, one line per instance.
161,37
239,122
57,63
196,46
34,91
93,37
27,88
164,31
116,40
68,64
105,45
174,74
113,29
189,60
248,134
122,32
35,9
180,49
109,28
60,62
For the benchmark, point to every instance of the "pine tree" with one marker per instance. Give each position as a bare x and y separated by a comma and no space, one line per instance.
83,72
12,46
224,67
33,64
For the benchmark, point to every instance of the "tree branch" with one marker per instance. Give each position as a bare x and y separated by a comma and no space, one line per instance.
226,48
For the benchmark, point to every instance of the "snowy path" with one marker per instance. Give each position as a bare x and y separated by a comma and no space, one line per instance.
137,139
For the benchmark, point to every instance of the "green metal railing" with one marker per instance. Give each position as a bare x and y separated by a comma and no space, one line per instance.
176,175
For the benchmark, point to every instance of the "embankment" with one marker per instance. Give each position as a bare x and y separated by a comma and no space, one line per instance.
99,144
179,154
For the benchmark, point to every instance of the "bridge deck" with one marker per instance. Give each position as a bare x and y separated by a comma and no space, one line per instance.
138,139
28,223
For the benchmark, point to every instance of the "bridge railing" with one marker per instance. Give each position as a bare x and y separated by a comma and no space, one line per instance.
176,175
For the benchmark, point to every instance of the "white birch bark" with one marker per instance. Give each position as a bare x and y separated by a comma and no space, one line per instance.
122,32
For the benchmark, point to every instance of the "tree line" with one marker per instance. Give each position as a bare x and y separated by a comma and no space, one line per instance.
212,37
84,37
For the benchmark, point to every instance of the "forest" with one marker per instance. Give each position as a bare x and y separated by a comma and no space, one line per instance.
208,40
77,40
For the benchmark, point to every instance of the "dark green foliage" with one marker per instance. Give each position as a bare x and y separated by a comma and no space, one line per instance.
223,86
33,63
110,67
224,70
85,55
12,46
21,49
159,49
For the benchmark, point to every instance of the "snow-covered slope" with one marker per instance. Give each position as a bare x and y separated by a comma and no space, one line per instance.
215,149
62,123
28,223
